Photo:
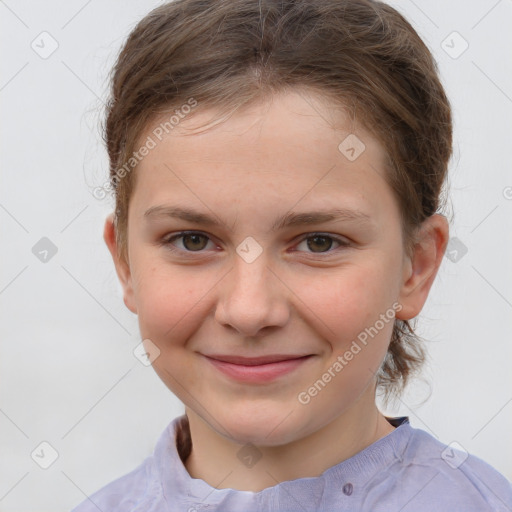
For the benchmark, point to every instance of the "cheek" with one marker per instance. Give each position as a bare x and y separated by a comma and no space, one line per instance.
357,307
169,301
348,301
170,310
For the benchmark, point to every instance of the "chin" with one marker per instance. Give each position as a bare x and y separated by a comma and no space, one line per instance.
270,428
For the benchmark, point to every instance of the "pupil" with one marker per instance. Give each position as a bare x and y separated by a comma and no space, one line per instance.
315,240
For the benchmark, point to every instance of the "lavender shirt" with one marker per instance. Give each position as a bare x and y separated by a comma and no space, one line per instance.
408,470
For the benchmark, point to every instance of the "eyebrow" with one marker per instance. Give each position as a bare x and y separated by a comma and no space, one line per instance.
290,219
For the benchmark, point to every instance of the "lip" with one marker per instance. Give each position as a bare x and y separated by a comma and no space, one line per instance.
257,369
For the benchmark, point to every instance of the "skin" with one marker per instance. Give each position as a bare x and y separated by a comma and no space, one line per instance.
294,298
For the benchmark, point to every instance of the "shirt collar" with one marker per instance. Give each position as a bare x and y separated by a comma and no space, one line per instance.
342,479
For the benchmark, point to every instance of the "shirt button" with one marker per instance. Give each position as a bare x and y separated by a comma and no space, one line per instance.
348,489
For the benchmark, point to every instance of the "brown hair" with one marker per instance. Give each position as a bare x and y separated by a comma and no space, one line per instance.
228,53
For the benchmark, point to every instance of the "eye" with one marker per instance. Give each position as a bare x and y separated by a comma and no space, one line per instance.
195,241
319,243
191,241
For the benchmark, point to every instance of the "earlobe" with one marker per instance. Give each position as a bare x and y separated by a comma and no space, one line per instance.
421,269
122,267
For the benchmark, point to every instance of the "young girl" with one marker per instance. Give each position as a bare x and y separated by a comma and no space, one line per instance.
277,169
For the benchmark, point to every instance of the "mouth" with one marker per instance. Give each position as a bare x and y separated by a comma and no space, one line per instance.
257,369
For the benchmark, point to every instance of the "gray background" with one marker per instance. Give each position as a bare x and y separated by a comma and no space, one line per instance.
68,374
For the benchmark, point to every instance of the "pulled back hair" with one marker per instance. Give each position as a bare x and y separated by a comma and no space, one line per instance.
224,54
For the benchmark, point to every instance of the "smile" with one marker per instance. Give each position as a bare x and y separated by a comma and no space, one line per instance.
257,369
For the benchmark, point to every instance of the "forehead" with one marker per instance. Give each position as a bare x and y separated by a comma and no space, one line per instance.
289,146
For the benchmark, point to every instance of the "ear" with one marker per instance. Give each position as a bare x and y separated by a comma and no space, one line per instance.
122,266
421,268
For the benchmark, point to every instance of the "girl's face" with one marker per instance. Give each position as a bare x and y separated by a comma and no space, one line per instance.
294,248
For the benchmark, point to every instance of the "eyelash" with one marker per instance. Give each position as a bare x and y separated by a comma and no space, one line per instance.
167,242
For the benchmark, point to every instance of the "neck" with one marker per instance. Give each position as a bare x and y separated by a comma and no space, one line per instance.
213,457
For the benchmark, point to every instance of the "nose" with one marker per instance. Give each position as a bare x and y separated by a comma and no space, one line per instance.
253,298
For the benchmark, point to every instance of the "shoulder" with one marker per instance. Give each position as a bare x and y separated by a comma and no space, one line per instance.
433,473
141,490
127,493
